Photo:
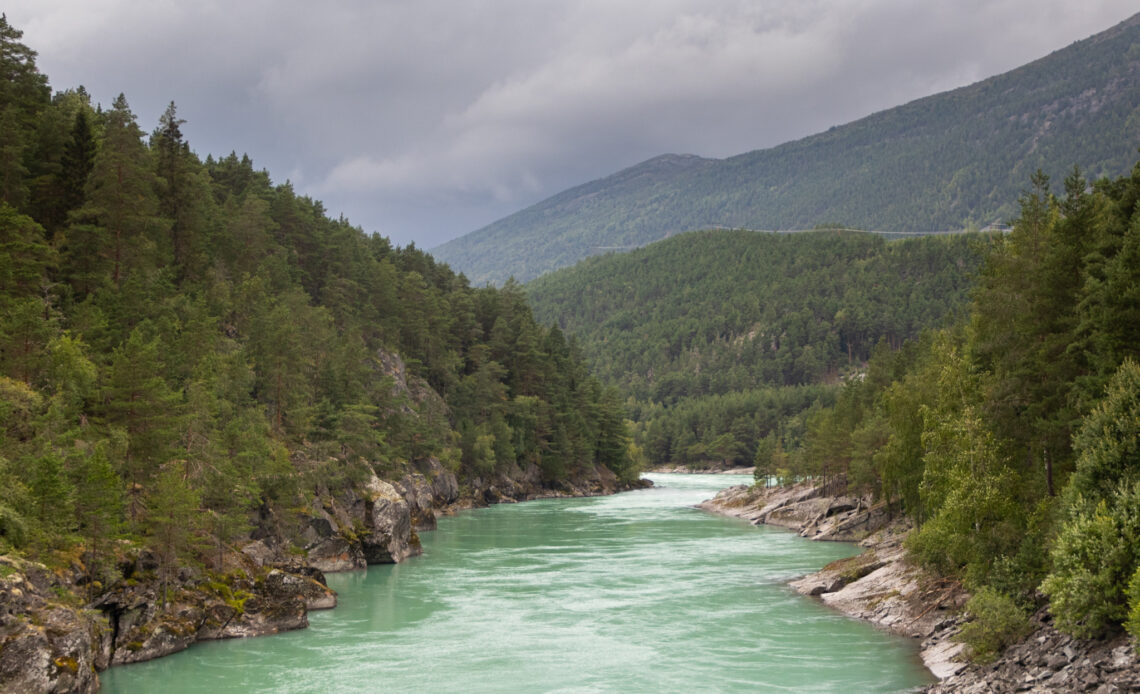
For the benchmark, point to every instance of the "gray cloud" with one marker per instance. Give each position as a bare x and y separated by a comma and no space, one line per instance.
425,120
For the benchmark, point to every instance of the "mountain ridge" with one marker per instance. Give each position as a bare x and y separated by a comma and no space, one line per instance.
955,159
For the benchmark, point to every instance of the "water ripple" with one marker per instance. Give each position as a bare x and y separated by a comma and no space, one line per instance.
637,592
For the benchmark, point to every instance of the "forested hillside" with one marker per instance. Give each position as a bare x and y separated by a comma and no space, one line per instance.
1011,438
948,161
187,346
720,336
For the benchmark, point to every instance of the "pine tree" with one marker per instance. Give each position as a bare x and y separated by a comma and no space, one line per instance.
172,523
78,161
119,223
98,508
24,92
138,400
25,255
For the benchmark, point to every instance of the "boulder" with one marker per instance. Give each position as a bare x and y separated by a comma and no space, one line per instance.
327,546
387,535
336,553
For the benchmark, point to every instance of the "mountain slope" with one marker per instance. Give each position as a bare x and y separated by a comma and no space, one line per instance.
720,311
719,336
946,161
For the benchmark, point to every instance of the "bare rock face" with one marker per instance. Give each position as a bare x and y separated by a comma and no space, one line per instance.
145,631
278,605
417,492
387,536
527,483
377,522
145,628
328,547
45,645
813,512
444,485
429,489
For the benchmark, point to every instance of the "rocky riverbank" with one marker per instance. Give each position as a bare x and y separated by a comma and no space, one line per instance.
879,585
882,587
714,469
54,639
58,629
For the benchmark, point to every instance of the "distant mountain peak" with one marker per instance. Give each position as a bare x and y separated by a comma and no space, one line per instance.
952,160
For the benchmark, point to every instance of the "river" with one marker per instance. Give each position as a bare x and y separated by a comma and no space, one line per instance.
636,592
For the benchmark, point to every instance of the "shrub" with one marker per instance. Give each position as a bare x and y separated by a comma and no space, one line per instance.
1133,622
1094,556
995,622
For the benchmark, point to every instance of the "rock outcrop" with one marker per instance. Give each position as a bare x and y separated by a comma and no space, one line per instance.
882,587
713,468
527,484
814,512
387,529
47,643
428,491
50,643
148,620
375,524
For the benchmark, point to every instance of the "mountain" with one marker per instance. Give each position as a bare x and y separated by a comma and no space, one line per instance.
732,331
949,161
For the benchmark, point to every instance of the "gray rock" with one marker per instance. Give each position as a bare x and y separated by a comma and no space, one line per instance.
334,554
47,646
387,536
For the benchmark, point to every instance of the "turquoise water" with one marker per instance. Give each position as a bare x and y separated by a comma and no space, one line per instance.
636,592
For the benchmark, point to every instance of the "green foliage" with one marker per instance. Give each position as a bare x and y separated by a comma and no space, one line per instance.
995,622
1133,622
13,530
171,522
24,93
1108,442
971,496
25,255
1094,557
721,336
1098,548
184,341
725,311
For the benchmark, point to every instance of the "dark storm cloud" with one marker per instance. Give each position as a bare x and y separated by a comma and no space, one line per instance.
425,120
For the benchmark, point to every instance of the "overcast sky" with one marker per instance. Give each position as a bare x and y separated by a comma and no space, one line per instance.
424,119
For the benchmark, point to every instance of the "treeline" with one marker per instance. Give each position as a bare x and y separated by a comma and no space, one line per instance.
727,430
184,341
1011,439
719,336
